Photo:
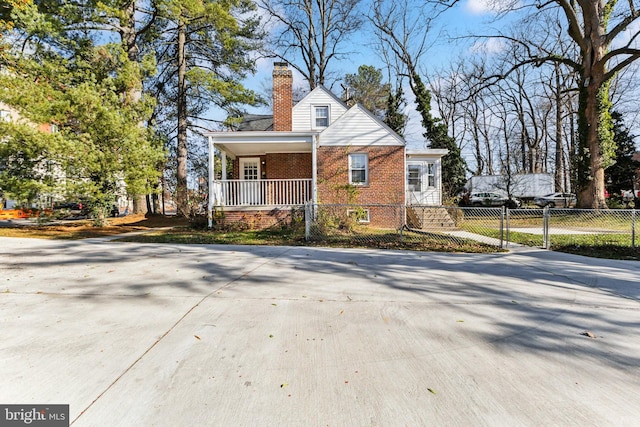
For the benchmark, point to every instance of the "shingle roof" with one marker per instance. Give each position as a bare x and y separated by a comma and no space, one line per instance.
256,122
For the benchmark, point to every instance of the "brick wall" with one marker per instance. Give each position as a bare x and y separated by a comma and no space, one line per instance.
261,219
282,97
386,180
280,166
386,175
288,166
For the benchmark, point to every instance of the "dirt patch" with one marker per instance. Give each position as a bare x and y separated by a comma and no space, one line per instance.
82,229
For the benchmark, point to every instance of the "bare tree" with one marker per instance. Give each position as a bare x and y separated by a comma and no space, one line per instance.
605,43
310,34
403,31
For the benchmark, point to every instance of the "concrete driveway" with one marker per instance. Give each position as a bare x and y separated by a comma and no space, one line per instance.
203,335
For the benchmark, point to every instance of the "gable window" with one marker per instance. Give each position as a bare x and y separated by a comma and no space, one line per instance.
358,169
321,116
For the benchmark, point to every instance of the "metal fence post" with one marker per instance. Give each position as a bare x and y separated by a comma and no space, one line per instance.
633,229
502,227
545,227
508,239
307,221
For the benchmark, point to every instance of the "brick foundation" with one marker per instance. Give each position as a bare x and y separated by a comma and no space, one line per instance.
263,218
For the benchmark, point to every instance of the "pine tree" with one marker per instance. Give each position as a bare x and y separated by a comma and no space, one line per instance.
393,115
620,176
64,79
205,50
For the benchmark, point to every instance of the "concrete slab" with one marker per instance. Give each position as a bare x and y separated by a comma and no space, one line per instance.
175,335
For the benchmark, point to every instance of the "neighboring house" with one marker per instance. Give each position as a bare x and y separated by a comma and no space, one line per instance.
44,169
319,151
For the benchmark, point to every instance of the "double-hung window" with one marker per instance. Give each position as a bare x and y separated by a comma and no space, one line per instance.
358,169
321,116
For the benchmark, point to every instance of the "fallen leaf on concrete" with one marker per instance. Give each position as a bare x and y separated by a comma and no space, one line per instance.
197,337
460,321
341,311
514,302
270,336
432,391
588,334
274,304
283,385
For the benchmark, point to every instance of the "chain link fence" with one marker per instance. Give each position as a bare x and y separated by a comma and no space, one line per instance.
415,226
590,227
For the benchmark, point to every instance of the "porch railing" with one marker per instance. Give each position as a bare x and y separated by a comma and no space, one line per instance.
262,192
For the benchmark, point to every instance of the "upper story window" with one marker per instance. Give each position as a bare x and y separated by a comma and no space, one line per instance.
321,116
358,169
5,116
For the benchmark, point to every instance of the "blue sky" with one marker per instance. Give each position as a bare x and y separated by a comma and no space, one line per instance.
467,16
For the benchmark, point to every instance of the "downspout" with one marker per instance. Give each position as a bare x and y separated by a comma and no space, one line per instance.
211,176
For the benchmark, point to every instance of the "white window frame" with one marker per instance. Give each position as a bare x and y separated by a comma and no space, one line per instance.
314,118
245,160
363,216
366,169
430,173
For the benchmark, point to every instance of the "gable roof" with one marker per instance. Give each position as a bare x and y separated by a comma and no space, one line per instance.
324,90
358,126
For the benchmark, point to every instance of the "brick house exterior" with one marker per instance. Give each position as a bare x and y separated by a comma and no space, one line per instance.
320,151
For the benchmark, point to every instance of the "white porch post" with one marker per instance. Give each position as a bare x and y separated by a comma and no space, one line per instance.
314,171
224,165
211,177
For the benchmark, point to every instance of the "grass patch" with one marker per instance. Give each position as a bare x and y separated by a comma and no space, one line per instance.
601,251
246,237
377,239
601,245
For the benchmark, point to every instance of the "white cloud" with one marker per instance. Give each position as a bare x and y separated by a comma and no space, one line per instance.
483,7
488,46
478,7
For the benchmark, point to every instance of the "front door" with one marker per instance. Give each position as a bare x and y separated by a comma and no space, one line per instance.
421,183
250,175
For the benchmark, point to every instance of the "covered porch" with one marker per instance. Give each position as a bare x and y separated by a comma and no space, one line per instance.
261,170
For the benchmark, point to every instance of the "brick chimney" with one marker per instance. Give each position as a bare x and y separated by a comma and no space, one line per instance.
282,97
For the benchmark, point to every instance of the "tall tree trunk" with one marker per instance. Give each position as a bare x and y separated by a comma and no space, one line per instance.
181,174
558,149
591,168
595,126
129,42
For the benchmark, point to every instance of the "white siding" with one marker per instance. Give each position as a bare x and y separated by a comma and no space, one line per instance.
303,110
357,127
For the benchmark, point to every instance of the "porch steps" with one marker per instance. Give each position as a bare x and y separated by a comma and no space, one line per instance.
429,218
